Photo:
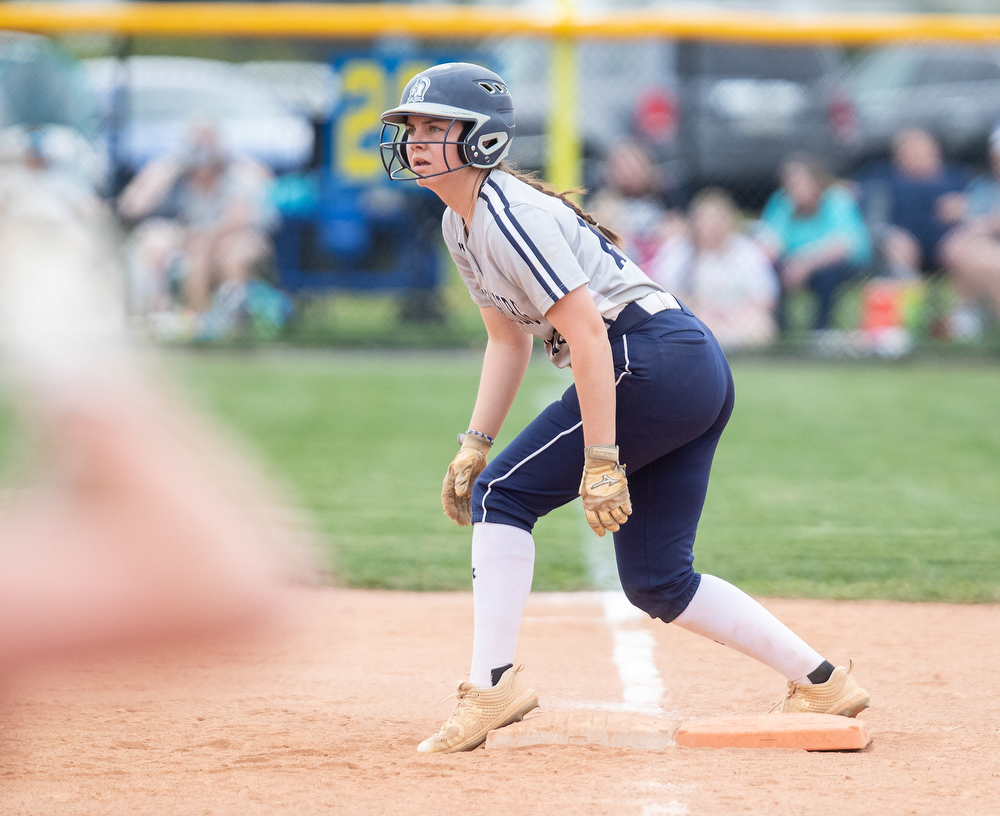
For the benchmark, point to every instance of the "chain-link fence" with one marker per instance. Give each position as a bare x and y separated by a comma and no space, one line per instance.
796,195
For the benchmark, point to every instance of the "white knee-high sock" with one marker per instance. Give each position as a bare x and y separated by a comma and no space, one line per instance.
729,616
503,563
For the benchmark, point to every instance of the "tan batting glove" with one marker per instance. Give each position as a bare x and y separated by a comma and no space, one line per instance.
456,493
604,489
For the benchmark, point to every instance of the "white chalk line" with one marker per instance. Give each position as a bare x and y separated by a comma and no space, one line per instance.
633,654
673,808
633,647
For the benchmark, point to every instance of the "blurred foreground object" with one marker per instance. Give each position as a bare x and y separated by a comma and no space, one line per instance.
41,84
145,528
60,156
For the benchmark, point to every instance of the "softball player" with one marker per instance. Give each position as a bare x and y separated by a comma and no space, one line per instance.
652,390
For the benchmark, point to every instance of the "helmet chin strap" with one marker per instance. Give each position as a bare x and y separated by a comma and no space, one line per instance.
481,174
405,168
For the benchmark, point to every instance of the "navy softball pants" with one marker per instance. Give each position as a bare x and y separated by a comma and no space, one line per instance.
674,397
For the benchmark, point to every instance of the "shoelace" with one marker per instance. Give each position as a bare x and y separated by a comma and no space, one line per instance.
460,694
788,694
792,687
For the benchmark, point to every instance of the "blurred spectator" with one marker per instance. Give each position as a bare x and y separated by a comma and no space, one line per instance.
814,232
212,223
723,275
911,202
971,251
634,202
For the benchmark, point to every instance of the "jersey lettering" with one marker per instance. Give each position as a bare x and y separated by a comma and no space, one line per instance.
511,309
607,246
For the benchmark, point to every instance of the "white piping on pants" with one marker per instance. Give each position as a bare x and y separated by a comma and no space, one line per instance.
556,438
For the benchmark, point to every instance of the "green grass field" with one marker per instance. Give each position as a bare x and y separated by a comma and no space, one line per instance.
845,481
839,481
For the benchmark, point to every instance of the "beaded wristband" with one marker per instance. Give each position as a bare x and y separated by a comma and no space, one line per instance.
481,435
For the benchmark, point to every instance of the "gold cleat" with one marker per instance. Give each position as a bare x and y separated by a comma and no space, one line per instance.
479,711
841,695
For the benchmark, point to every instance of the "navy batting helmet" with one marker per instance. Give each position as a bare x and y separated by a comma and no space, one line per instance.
474,99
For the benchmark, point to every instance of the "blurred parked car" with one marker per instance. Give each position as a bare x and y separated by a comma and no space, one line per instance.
714,113
951,91
309,88
48,114
148,103
745,108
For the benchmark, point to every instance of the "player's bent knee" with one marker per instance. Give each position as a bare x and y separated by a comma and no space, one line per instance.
665,600
504,502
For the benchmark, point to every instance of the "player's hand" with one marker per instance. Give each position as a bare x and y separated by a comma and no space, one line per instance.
456,493
604,489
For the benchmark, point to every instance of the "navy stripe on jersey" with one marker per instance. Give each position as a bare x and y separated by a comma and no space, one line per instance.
510,238
524,235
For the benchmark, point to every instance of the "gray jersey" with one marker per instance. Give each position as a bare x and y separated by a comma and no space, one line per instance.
524,250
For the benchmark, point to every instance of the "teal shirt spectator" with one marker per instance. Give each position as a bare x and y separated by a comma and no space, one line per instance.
982,197
837,217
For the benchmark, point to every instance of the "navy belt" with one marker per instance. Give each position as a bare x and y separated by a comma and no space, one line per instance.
639,311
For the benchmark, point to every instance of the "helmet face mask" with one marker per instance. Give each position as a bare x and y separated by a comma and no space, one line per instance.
395,142
473,101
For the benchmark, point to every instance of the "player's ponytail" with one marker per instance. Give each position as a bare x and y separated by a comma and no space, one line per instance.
532,180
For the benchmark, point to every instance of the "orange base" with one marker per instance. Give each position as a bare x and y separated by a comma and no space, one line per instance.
809,732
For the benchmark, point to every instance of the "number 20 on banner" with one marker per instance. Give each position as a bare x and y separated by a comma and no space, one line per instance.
368,86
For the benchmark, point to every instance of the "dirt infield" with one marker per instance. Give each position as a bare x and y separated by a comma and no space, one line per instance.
325,720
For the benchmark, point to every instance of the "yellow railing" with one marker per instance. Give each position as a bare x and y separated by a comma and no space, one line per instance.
563,26
284,20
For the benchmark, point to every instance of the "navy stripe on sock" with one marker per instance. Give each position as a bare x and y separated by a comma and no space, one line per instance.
497,673
821,673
